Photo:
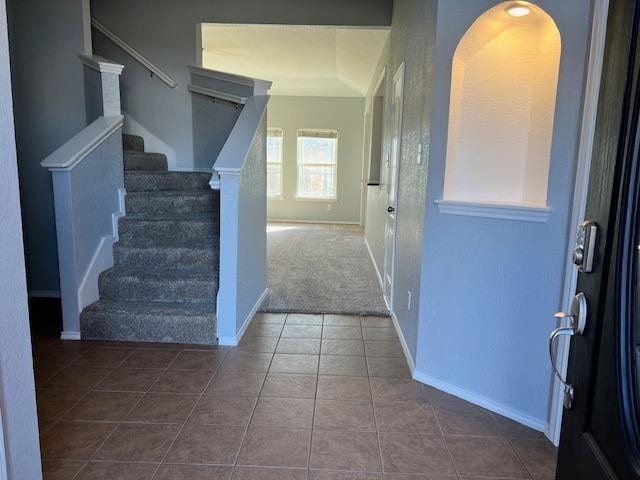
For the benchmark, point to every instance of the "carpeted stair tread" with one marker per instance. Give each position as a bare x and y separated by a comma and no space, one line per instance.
172,202
173,322
132,143
162,230
186,257
153,181
145,161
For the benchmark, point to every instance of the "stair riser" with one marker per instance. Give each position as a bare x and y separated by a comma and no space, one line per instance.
172,181
173,205
132,288
133,143
145,161
149,328
169,258
166,232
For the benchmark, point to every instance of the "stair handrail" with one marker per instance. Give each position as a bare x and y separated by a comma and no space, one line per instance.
155,70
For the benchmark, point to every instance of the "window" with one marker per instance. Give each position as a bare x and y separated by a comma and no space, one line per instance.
317,164
274,162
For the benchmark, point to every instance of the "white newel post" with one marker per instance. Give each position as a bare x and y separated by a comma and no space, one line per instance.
102,86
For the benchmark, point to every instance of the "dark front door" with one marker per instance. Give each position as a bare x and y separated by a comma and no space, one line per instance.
600,436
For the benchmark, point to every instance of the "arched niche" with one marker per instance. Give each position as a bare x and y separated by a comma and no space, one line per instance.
503,96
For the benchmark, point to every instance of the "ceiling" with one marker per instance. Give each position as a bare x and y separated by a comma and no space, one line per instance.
299,60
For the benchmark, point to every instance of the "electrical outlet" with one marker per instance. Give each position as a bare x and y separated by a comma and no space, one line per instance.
329,207
420,153
408,300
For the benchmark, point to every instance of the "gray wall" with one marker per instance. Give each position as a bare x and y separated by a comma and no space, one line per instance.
490,286
411,41
19,428
164,31
342,114
46,38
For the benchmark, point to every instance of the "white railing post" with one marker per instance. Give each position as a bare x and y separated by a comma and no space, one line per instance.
102,87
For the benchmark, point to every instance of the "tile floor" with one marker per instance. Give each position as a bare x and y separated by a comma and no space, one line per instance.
304,397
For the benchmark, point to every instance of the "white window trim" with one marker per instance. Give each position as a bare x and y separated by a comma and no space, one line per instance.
315,198
280,195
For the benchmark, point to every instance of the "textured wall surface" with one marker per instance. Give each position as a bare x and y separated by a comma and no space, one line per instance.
46,38
165,32
342,114
17,391
412,42
489,286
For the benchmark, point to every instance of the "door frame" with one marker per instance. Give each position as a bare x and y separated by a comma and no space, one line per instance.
400,72
583,168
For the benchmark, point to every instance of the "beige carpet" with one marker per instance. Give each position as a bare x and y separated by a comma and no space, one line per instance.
319,268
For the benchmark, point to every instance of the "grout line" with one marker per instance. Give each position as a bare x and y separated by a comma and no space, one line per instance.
375,417
444,440
315,401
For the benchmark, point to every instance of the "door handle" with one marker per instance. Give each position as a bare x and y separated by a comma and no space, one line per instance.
391,209
577,322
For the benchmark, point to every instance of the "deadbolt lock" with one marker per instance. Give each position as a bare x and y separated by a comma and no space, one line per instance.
585,248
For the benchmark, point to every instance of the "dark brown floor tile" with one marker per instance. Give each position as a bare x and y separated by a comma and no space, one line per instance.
538,456
285,363
163,408
223,410
283,413
258,344
512,429
387,390
415,454
388,367
342,333
103,357
428,477
277,318
301,346
302,331
151,358
236,361
104,406
60,469
333,450
53,403
463,418
343,347
289,385
328,475
376,322
74,440
193,472
263,330
336,387
485,457
247,384
383,334
304,319
343,365
207,444
376,348
249,473
130,380
117,471
198,360
183,381
342,320
341,415
409,416
275,447
61,352
78,378
135,442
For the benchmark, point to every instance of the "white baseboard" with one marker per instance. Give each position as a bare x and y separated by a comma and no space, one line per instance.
403,342
373,260
192,169
328,222
70,336
233,341
480,401
102,260
120,213
44,294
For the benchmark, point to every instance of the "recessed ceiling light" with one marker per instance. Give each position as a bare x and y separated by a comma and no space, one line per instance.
518,10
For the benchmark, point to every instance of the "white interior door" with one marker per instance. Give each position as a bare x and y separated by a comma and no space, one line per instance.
392,167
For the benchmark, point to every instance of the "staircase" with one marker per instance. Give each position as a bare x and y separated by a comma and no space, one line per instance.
164,282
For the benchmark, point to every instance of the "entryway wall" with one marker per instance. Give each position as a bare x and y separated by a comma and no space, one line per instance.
490,286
